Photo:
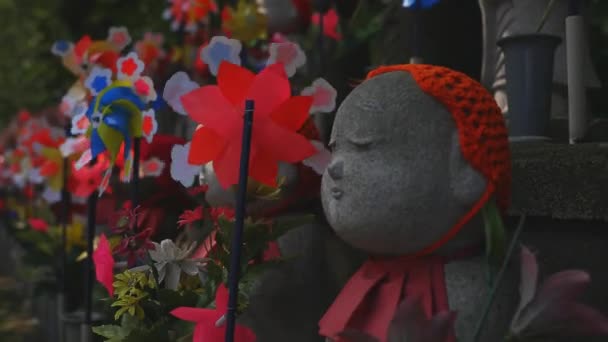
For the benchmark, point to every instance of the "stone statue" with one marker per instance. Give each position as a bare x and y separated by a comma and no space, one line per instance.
290,299
417,151
503,18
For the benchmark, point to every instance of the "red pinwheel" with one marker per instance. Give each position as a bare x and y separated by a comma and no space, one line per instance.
277,118
206,328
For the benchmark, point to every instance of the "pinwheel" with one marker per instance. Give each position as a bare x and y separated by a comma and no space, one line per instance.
416,6
116,118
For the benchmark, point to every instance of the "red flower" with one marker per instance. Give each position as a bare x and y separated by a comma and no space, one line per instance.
104,264
277,118
330,24
38,225
224,212
206,328
190,216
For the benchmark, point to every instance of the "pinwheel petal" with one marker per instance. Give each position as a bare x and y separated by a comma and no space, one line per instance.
282,144
206,146
226,166
293,113
269,90
234,81
208,106
111,138
195,314
97,144
264,169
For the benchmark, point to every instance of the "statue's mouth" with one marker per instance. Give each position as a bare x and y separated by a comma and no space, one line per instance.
336,193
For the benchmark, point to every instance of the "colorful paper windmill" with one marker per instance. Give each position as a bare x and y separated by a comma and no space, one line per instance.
117,111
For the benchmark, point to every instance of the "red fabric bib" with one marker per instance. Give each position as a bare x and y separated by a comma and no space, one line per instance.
369,300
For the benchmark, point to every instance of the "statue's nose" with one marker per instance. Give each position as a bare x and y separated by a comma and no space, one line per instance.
336,169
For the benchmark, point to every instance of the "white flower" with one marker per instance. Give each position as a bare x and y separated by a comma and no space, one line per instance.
181,170
152,167
34,176
178,85
80,124
74,145
220,49
289,54
129,67
171,261
324,96
144,87
149,124
98,80
51,196
119,37
319,161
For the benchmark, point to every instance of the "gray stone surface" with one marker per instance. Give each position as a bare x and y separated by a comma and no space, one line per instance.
560,181
398,182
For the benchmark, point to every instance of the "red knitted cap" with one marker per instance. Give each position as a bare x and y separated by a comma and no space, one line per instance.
482,130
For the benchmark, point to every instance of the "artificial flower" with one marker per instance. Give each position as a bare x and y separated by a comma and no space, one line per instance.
104,264
86,179
277,118
289,54
39,225
188,13
74,145
98,80
149,49
119,37
144,87
149,124
61,48
178,85
221,49
181,169
152,167
190,216
80,124
50,196
553,308
170,261
246,22
323,94
75,233
330,24
206,328
129,67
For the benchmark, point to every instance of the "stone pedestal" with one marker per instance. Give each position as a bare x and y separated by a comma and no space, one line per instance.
563,190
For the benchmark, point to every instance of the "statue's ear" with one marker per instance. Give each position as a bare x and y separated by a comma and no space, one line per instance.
467,184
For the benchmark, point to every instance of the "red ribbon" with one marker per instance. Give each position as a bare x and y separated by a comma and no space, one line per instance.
369,300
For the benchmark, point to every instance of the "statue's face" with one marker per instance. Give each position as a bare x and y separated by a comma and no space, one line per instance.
388,189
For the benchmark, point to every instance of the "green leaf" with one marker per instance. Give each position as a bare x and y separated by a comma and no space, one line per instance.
110,332
496,243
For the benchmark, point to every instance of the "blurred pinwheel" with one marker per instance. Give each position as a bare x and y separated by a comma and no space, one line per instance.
117,112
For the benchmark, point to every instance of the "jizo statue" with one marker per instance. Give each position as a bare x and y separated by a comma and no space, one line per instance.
417,152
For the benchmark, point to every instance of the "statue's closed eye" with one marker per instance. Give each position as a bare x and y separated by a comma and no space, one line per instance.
362,142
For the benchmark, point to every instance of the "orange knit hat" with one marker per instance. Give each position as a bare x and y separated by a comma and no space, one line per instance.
482,131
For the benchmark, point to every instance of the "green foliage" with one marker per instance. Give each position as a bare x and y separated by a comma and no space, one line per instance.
496,241
30,76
